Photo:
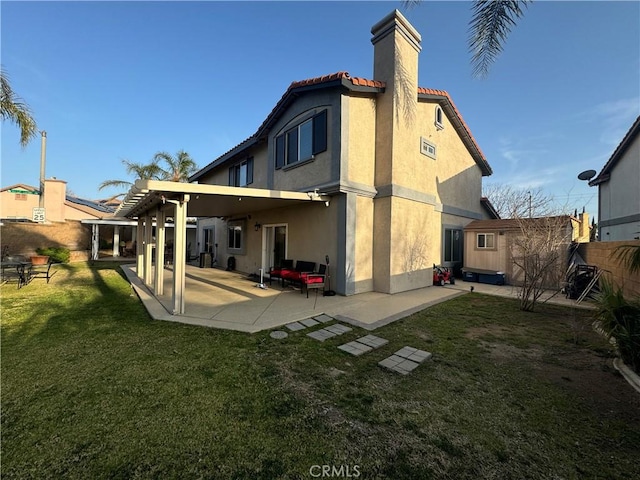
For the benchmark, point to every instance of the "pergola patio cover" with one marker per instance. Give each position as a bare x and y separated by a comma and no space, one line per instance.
149,199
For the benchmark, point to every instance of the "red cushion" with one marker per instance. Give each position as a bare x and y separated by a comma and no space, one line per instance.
290,274
314,279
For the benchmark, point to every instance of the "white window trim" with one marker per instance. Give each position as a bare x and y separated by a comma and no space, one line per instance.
486,235
439,113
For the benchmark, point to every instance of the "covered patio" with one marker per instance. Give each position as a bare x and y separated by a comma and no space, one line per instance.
151,202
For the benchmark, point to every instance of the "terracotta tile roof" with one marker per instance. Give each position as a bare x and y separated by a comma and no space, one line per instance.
345,79
603,176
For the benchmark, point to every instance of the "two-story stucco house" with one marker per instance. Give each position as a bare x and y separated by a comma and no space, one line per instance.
399,163
390,171
619,190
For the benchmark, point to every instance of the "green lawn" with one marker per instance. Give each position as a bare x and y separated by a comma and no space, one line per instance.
92,388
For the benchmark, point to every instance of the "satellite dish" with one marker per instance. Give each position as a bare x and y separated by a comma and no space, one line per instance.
587,175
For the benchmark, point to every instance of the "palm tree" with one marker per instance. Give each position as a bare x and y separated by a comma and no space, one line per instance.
489,27
16,111
150,171
180,167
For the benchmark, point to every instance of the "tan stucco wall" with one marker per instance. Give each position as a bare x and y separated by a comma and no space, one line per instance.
311,234
453,176
415,244
363,262
359,164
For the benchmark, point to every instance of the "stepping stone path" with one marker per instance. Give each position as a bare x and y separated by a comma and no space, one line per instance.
363,345
405,360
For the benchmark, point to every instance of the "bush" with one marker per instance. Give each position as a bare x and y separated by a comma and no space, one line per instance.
620,319
56,254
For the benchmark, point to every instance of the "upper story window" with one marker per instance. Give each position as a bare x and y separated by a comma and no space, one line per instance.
439,124
303,141
241,174
485,240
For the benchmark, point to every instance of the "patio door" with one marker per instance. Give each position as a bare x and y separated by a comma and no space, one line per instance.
274,245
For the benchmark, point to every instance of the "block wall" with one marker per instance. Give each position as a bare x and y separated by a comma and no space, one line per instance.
600,254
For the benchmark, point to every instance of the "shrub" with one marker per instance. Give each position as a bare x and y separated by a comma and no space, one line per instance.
620,319
56,254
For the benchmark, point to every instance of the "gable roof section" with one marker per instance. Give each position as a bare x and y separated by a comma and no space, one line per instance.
20,186
628,139
489,208
355,84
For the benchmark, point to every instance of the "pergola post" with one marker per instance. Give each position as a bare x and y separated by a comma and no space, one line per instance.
148,248
140,248
179,254
95,241
116,240
160,242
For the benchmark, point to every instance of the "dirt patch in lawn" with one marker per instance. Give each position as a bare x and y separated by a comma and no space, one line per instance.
584,372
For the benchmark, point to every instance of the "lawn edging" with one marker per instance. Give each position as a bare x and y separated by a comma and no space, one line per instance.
629,375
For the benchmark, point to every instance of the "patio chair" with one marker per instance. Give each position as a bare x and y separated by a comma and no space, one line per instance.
314,280
295,276
41,271
276,272
15,271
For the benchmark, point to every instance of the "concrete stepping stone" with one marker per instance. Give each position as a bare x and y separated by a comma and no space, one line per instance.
355,348
279,334
405,360
413,354
321,334
338,329
328,332
309,322
295,326
324,318
372,341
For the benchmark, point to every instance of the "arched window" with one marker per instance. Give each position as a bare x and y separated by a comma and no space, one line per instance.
439,123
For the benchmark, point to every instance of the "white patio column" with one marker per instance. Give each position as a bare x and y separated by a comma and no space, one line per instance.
140,248
148,249
179,254
95,241
160,242
116,240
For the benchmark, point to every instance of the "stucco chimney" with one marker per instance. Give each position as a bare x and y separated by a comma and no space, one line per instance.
395,61
55,193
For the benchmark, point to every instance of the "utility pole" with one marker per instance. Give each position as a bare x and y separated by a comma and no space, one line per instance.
43,155
529,192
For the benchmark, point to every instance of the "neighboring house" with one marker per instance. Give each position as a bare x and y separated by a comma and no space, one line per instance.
401,166
619,190
490,245
18,201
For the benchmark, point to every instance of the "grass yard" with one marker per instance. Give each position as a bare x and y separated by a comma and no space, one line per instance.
92,388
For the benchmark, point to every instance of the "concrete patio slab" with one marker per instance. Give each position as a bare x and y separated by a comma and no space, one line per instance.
230,300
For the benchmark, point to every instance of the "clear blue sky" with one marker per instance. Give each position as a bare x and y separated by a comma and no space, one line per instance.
114,80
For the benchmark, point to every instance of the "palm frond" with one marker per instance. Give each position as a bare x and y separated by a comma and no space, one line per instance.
115,183
489,28
629,256
13,109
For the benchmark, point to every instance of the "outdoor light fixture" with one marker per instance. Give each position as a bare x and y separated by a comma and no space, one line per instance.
257,226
